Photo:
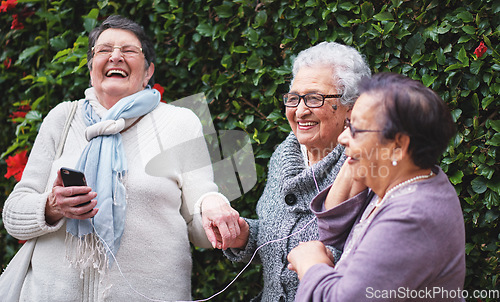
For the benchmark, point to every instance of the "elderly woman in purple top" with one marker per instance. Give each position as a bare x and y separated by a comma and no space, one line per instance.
391,209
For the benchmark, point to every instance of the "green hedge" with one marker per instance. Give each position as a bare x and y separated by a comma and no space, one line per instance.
239,54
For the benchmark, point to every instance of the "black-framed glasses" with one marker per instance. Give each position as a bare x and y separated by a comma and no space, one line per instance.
126,50
312,100
354,130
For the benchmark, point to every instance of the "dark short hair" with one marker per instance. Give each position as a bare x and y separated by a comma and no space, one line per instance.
120,22
410,108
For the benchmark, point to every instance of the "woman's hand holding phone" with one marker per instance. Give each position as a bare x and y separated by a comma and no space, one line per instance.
75,200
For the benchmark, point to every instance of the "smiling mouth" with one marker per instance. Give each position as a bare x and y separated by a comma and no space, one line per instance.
351,158
116,73
307,124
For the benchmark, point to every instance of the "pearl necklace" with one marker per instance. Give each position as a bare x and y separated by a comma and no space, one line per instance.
396,187
402,184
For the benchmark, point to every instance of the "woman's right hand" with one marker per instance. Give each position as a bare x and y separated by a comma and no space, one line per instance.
240,241
67,202
344,187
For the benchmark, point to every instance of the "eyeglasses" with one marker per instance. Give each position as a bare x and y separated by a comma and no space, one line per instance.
127,51
354,130
312,100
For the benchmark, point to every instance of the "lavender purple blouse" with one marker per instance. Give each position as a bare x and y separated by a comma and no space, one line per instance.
411,248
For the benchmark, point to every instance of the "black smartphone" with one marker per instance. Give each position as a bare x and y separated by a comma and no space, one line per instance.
71,177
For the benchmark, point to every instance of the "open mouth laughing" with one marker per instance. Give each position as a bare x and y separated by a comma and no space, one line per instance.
116,73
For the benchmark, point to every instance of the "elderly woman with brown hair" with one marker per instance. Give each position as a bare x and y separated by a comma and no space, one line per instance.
322,93
408,239
126,235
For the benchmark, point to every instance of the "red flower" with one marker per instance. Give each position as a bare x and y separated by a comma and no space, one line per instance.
23,109
8,4
16,164
480,50
26,107
17,114
7,62
16,24
160,89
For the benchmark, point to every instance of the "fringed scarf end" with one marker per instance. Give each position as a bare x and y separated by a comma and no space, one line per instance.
86,252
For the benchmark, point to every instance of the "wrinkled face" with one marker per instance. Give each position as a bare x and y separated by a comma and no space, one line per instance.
115,75
317,128
368,157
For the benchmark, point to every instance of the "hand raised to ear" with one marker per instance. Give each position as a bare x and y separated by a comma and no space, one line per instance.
344,187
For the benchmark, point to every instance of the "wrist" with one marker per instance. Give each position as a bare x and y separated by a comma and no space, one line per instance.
198,206
52,214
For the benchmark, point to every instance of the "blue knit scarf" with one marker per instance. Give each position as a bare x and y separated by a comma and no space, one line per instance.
104,164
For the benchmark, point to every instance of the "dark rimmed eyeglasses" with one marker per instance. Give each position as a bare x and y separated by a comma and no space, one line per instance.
312,100
354,130
126,50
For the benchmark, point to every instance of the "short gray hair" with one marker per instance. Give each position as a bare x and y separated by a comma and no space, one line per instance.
348,66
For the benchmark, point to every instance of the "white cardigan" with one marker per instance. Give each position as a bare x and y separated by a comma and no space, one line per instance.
154,254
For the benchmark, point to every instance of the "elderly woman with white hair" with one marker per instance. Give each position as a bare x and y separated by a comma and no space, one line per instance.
322,93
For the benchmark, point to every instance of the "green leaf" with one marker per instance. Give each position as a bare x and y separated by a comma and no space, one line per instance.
494,184
347,6
428,80
384,16
33,115
224,11
28,53
456,178
254,62
475,66
479,185
239,49
453,67
456,114
415,44
469,30
205,29
366,10
260,19
226,61
248,120
494,124
468,248
275,116
466,16
462,57
62,53
90,20
487,101
494,141
58,42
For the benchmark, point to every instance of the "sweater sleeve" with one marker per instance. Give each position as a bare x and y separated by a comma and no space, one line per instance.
245,254
335,224
24,210
395,254
197,178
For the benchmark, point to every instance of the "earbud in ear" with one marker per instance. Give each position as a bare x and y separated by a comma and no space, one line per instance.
334,107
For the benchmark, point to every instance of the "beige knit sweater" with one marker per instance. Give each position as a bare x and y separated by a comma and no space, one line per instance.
154,254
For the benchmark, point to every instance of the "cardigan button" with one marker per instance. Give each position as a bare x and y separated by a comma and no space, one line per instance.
290,199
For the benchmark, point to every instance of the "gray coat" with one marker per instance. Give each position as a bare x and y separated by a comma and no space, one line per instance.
283,209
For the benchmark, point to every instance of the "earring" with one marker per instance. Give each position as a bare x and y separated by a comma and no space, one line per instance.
334,107
394,163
